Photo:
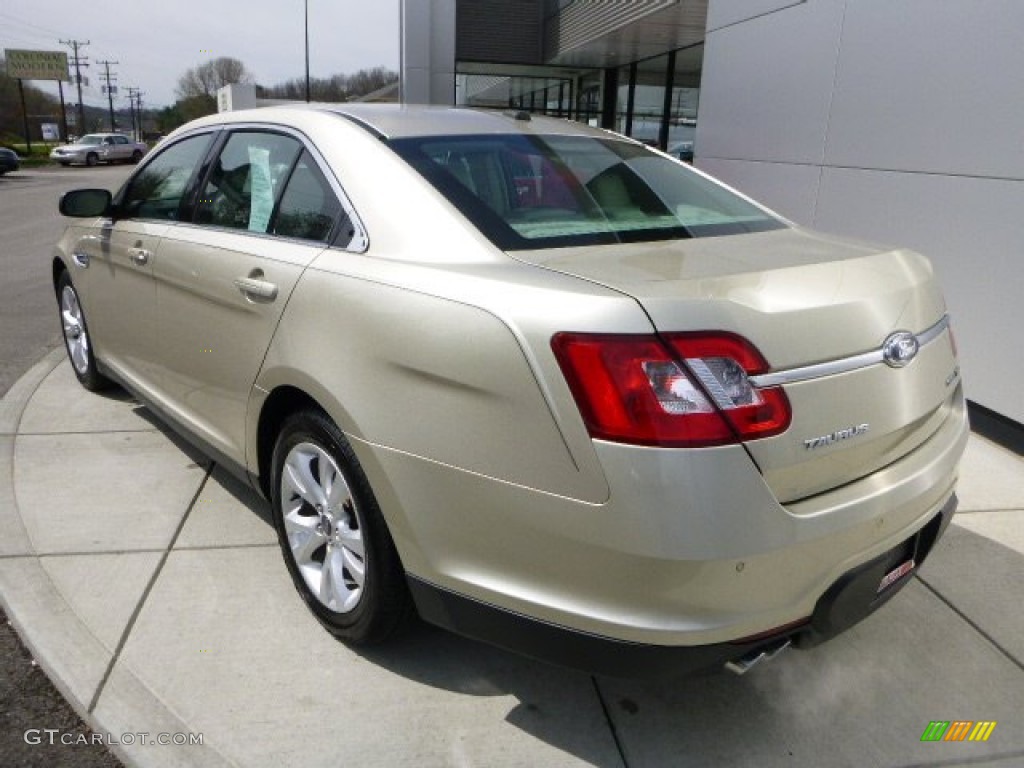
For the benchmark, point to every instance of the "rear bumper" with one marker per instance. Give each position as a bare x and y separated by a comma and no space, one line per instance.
853,597
690,550
861,591
568,647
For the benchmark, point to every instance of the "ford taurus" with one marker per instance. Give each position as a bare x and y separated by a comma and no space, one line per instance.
536,382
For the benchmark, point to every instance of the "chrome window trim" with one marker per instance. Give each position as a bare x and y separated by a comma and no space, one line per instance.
360,242
842,365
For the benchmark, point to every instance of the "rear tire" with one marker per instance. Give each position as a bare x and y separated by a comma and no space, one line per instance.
77,341
136,156
333,536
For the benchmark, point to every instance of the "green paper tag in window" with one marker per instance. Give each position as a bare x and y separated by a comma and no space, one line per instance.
261,190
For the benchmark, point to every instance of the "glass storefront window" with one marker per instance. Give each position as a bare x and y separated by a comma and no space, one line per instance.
682,117
543,95
648,80
641,109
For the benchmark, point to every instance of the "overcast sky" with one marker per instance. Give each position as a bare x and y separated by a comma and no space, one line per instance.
155,41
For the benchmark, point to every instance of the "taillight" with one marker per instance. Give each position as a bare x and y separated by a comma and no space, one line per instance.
680,390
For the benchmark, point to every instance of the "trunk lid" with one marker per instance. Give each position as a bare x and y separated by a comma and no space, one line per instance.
802,299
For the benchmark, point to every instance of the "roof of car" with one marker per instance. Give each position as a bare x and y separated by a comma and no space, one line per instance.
404,120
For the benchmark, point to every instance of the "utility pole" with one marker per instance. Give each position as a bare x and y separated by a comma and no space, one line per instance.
63,111
109,79
138,111
24,116
79,62
307,50
132,93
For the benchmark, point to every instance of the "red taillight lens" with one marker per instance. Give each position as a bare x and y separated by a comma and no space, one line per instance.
692,392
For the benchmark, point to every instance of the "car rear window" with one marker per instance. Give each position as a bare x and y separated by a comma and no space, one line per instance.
526,192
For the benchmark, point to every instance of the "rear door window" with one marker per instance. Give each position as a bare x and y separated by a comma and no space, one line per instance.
308,207
246,180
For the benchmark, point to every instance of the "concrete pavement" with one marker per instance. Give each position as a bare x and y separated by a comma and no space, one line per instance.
150,587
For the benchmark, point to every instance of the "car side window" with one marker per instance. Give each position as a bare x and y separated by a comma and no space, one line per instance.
308,207
245,181
156,191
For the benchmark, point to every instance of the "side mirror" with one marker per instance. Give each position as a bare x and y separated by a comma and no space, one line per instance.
85,203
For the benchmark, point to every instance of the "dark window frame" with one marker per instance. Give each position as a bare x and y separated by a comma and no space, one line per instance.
187,200
347,233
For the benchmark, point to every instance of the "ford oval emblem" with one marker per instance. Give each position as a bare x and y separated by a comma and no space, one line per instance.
900,348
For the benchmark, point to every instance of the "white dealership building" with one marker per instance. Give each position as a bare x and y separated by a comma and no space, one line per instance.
897,121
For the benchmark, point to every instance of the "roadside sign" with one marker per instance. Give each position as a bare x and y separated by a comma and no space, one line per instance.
36,65
50,132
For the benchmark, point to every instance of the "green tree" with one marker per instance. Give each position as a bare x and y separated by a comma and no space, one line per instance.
199,105
38,103
169,118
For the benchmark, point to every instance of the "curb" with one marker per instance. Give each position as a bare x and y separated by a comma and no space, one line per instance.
13,404
73,658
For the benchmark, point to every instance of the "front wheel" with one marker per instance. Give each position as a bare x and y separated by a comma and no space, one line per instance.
335,542
92,159
76,336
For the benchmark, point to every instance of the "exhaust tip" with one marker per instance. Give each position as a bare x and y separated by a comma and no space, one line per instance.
744,664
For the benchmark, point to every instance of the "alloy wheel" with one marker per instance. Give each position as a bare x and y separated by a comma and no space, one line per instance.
74,330
323,527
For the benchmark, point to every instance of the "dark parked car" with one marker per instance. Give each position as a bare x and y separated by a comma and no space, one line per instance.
8,160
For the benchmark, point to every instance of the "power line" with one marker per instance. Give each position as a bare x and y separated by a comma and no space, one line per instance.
49,32
19,37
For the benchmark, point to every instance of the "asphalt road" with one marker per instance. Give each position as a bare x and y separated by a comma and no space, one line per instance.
29,228
29,328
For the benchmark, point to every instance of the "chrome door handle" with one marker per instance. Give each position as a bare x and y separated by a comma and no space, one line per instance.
139,256
258,288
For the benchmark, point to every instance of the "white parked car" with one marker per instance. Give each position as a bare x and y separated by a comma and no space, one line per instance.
96,148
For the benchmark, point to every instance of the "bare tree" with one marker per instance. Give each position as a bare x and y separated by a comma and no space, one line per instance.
210,76
369,80
333,89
